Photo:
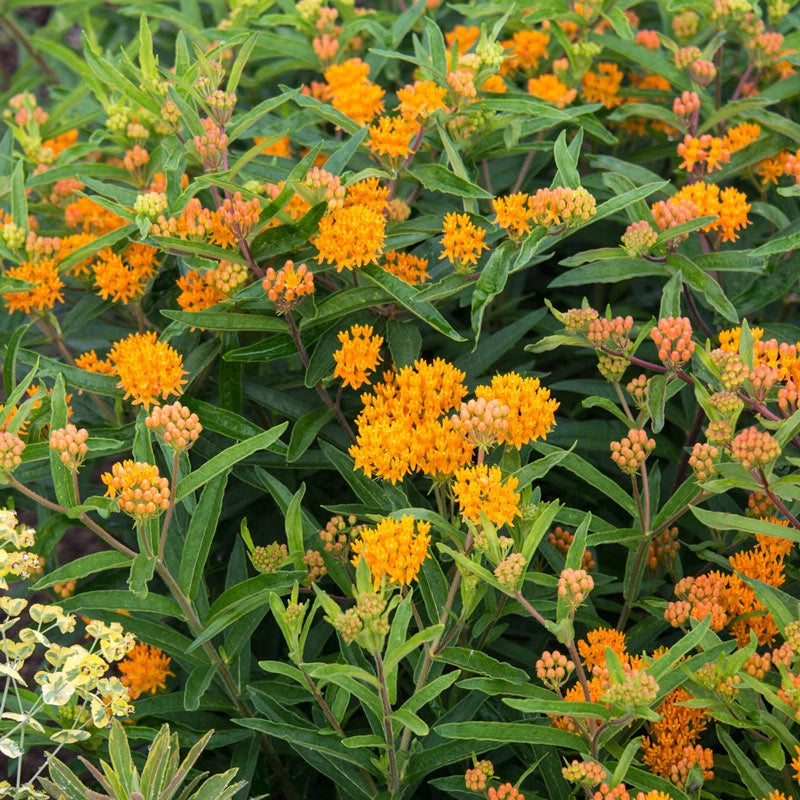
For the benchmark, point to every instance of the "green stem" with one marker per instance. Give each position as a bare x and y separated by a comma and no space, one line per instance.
394,776
171,508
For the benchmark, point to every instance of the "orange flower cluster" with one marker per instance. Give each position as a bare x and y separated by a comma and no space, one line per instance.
671,749
391,136
462,242
368,193
420,99
549,87
197,293
480,489
412,269
358,356
351,92
602,86
350,237
91,217
393,549
147,369
699,199
288,285
728,599
46,291
122,277
401,427
525,50
707,150
145,669
143,493
740,136
531,413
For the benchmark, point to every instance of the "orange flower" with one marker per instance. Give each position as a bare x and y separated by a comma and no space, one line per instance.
46,292
401,428
495,84
513,213
481,489
145,669
549,87
351,92
143,493
148,370
409,268
123,277
368,193
350,237
708,150
464,37
358,356
392,136
92,217
772,169
420,99
462,241
602,86
741,135
282,148
91,363
61,142
527,49
393,550
197,294
592,649
531,410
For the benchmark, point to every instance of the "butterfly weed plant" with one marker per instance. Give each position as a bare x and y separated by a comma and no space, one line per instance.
426,376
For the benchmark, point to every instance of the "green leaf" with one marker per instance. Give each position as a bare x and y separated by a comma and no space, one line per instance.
142,570
609,271
405,341
241,61
200,534
147,60
724,521
430,691
197,685
243,598
62,477
226,459
781,244
491,281
482,664
656,401
367,491
534,705
394,657
783,607
539,468
293,526
82,567
19,202
227,321
437,178
757,785
671,298
566,164
305,431
10,359
703,283
272,348
407,297
512,732
111,600
410,720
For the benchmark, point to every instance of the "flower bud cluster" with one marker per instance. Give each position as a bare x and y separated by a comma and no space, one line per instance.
239,215
733,371
637,389
505,791
577,320
288,285
615,331
475,778
584,773
663,549
762,378
315,565
12,235
684,25
70,444
574,586
510,572
719,432
553,669
670,213
685,56
702,71
136,158
143,493
562,206
175,424
269,558
727,403
228,277
637,689
150,204
221,105
702,461
686,106
612,368
632,450
758,665
11,449
638,239
788,396
673,338
327,185
754,449
482,421
335,535
759,505
212,144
